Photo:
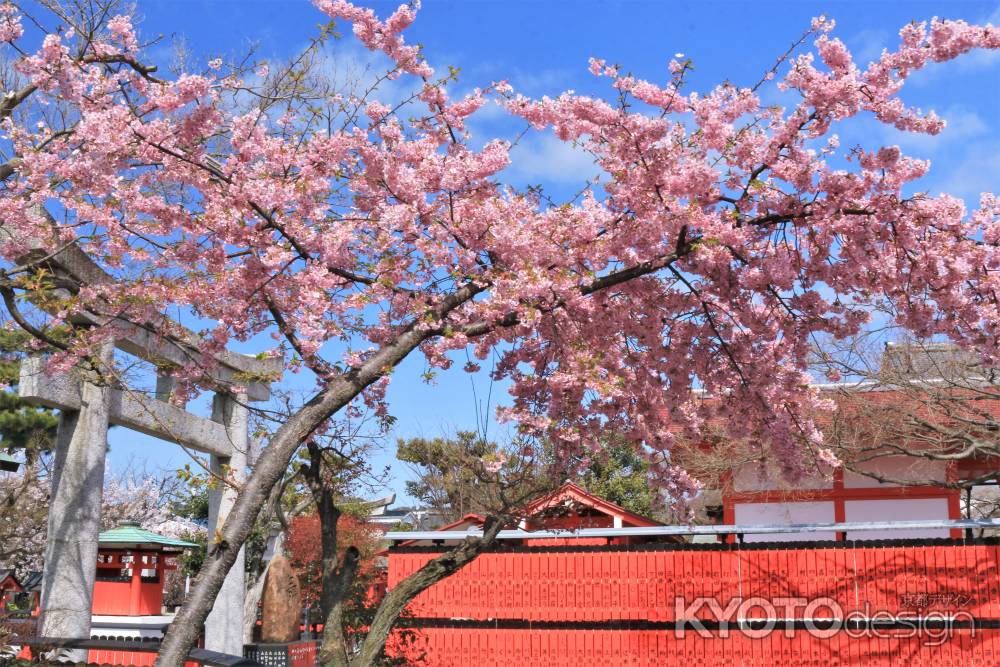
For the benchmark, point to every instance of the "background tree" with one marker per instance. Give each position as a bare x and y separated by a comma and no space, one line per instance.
23,518
356,628
304,545
26,432
133,494
445,479
619,472
721,238
920,405
22,427
916,399
445,471
328,472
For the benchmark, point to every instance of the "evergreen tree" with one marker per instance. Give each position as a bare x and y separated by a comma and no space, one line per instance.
621,474
445,477
21,426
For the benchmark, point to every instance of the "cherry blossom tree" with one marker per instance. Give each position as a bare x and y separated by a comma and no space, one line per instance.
24,498
721,237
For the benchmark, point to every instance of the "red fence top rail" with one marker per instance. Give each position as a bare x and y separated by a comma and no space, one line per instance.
727,529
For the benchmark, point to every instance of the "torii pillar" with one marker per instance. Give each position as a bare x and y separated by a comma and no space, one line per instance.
224,625
74,518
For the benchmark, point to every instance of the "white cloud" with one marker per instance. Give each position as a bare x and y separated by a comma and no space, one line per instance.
963,124
977,171
543,158
351,68
542,82
970,63
867,45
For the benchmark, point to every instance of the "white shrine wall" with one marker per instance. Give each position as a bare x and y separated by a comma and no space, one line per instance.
786,513
762,496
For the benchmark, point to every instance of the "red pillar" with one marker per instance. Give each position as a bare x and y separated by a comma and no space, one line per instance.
839,507
135,587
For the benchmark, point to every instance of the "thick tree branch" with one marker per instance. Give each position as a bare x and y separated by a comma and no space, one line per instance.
271,466
396,600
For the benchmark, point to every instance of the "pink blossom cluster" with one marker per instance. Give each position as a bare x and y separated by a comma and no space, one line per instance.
708,257
10,23
384,36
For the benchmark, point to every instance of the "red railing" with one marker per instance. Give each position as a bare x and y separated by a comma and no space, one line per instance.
138,653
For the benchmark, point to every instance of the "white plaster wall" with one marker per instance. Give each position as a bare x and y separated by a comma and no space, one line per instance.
760,478
897,467
786,513
896,510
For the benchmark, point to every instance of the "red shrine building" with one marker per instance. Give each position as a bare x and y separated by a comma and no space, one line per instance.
131,571
19,597
132,565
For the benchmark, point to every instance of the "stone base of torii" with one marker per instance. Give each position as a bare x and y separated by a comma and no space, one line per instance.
88,405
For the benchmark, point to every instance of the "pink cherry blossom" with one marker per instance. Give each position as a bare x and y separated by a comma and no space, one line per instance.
10,23
718,242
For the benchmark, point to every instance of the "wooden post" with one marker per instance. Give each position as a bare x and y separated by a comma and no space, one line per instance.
224,626
75,514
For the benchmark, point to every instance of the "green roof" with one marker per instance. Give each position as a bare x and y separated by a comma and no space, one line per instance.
132,534
9,463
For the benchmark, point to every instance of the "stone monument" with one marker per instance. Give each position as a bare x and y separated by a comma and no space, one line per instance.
281,603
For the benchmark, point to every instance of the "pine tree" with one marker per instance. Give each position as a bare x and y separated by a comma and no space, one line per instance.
21,426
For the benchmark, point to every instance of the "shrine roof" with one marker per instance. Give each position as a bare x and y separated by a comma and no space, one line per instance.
574,493
131,535
8,463
32,581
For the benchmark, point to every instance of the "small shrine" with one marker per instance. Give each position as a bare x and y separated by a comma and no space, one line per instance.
132,564
19,597
131,568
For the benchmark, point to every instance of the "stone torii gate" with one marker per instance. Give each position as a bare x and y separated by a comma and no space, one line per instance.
87,408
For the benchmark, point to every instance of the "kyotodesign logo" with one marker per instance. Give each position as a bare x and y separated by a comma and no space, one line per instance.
823,617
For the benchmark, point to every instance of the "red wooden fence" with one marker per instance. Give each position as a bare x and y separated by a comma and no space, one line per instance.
600,595
448,647
643,584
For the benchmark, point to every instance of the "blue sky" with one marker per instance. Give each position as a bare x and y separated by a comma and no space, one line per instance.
542,48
